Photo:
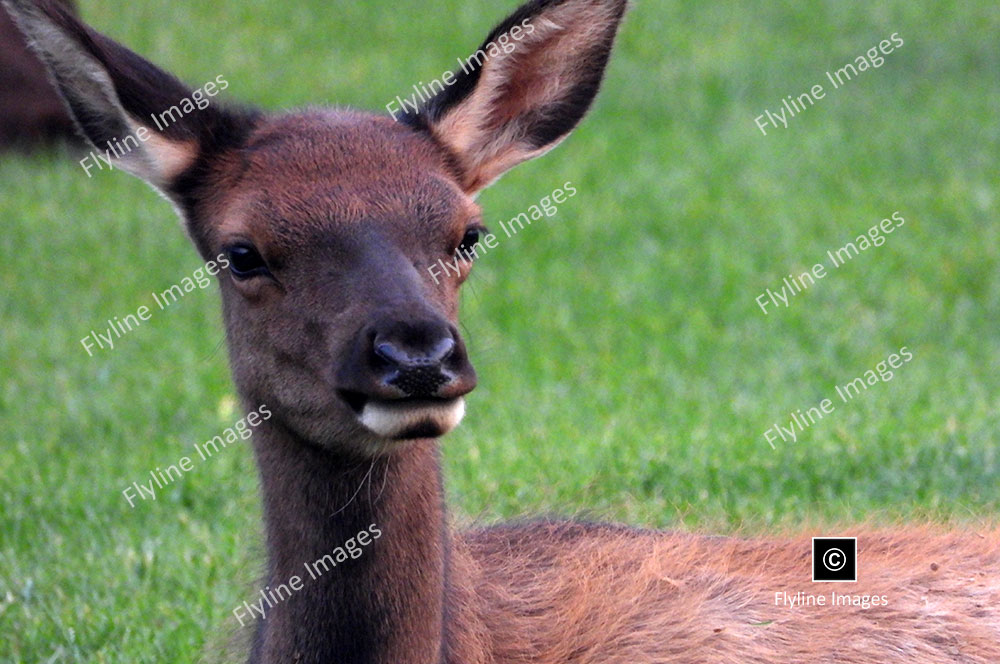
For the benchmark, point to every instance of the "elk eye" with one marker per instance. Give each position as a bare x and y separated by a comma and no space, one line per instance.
466,249
246,262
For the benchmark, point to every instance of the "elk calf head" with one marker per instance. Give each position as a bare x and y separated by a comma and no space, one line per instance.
328,219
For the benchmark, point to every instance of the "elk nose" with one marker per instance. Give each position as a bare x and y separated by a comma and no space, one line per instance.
407,358
414,358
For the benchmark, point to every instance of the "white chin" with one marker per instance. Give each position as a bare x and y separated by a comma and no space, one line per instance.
412,419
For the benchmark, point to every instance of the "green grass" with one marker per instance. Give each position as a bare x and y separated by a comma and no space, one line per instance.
625,370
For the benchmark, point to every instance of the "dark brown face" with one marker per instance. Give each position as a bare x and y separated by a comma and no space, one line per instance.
329,219
333,319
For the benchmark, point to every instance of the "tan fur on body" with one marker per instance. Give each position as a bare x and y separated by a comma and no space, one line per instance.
560,593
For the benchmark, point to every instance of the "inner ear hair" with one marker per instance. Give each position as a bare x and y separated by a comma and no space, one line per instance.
114,95
525,89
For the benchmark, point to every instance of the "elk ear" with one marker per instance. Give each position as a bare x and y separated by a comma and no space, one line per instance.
114,95
526,88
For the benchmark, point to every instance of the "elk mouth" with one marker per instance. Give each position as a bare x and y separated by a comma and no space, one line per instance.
407,418
355,400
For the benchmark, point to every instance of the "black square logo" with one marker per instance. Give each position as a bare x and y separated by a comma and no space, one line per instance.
835,559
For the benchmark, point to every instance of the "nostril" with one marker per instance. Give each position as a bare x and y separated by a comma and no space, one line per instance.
421,359
403,358
391,354
442,350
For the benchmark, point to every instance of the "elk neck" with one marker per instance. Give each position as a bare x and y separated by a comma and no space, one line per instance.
387,605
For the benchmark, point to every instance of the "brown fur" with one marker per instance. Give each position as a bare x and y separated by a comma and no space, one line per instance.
31,112
347,210
557,593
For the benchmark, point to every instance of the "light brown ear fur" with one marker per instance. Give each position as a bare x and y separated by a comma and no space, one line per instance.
527,101
110,93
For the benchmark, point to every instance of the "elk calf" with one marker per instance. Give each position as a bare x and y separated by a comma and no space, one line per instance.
329,220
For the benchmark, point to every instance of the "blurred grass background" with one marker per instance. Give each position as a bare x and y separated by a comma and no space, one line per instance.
625,370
